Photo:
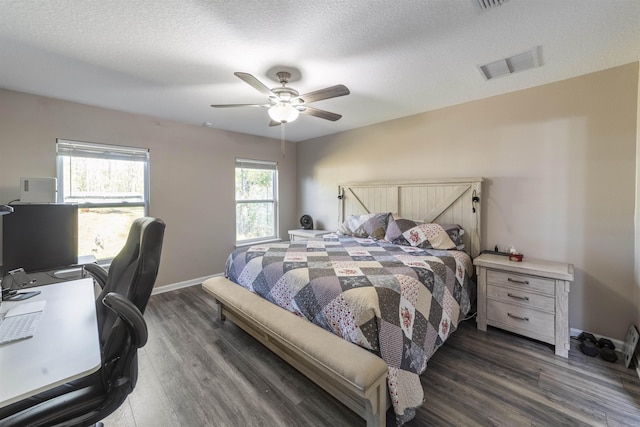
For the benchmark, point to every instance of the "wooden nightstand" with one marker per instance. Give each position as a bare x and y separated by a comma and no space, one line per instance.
302,234
530,298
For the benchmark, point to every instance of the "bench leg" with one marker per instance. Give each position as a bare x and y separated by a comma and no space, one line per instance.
221,316
376,407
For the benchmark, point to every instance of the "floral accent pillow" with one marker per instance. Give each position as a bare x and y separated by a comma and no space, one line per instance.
370,225
426,236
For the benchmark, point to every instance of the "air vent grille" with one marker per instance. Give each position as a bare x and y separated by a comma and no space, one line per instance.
513,64
488,4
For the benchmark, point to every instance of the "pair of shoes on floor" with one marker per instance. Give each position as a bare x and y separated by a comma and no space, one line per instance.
592,347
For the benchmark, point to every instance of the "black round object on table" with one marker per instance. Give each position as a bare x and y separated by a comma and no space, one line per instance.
306,222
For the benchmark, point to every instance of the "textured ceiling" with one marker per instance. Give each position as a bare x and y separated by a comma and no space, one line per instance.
173,58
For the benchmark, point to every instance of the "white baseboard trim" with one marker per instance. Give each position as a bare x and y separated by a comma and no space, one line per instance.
180,285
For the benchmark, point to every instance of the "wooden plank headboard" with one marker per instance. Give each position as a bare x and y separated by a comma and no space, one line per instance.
444,201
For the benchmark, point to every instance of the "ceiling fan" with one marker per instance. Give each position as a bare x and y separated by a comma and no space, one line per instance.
285,103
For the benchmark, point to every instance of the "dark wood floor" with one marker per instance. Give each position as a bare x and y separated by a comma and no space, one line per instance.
195,372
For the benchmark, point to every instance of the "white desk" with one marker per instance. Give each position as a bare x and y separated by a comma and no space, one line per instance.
65,346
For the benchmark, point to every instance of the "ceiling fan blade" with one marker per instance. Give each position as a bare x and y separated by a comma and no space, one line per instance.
274,123
239,105
327,115
326,93
255,83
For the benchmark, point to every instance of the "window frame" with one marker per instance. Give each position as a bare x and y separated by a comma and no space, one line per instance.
260,165
83,149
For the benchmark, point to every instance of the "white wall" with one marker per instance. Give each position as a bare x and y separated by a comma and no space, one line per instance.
191,172
560,167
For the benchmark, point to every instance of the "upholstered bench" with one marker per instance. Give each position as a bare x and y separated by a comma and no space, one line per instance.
350,373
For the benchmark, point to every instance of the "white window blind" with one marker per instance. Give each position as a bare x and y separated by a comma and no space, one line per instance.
101,151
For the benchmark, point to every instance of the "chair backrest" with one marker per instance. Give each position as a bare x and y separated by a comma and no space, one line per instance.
133,271
132,274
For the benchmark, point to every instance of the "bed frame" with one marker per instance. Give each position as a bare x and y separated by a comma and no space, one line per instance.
363,388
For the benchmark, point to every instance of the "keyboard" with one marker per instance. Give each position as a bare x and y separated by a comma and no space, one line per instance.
19,327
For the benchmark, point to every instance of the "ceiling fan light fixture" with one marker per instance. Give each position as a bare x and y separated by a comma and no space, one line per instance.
283,113
285,104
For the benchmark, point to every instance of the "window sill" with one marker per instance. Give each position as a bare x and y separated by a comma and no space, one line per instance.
257,242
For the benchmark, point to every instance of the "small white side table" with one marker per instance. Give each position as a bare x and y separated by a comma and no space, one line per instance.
530,298
302,234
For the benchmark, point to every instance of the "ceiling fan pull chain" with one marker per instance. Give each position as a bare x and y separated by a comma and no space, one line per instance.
282,144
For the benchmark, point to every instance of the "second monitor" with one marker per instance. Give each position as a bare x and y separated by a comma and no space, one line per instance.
40,237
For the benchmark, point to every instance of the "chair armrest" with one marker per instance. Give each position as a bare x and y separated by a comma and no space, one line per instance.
99,274
130,315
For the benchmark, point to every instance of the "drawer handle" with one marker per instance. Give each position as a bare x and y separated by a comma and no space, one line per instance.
526,319
518,297
522,282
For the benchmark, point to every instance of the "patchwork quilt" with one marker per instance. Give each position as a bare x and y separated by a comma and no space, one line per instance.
400,302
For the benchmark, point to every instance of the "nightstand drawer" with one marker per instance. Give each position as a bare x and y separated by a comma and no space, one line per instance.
526,282
525,321
522,297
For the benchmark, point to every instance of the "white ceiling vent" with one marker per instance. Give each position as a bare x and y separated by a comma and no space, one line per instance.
488,4
513,64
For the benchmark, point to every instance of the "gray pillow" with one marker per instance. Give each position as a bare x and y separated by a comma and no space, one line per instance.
367,226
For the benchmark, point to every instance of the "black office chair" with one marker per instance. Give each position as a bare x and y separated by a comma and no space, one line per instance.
122,330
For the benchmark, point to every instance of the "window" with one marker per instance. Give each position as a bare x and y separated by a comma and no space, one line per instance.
110,184
256,200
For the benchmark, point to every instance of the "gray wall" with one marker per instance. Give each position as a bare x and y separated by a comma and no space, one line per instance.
191,172
560,167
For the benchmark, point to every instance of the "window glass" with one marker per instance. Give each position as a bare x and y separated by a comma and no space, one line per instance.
110,184
103,231
256,201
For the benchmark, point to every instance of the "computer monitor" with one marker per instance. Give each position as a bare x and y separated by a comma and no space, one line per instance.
40,237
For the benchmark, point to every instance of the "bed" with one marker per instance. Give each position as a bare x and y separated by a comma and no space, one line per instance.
395,280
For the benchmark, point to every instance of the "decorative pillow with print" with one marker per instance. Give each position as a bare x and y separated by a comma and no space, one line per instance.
370,225
426,236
